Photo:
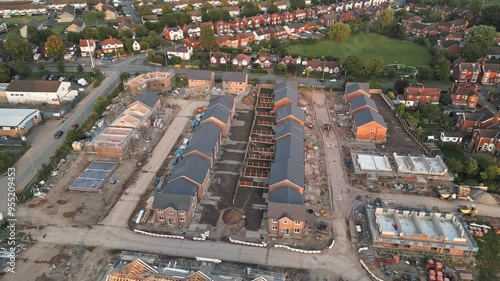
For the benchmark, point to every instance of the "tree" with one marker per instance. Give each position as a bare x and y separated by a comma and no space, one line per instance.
441,69
141,31
483,35
55,47
431,112
353,65
33,35
73,37
89,32
490,15
166,9
4,73
339,32
297,4
124,76
472,51
386,18
272,9
250,9
475,6
375,66
106,32
424,73
207,38
145,11
434,16
207,6
45,34
22,68
471,167
456,166
60,66
79,68
401,85
17,47
224,3
99,15
491,173
40,65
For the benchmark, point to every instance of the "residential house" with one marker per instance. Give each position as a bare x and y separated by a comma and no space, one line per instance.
493,53
242,60
234,11
299,15
37,91
289,147
263,7
482,118
330,67
24,30
220,58
87,47
369,125
264,61
191,30
183,52
412,19
205,142
193,169
201,80
451,36
461,96
221,27
227,41
234,82
282,5
420,95
328,20
136,46
491,74
486,140
112,46
286,60
173,33
220,112
59,4
290,112
286,213
421,30
109,12
149,18
361,102
175,203
279,32
285,93
286,17
354,89
262,34
245,38
451,47
287,172
195,15
68,14
466,72
191,42
21,8
453,26
289,128
76,26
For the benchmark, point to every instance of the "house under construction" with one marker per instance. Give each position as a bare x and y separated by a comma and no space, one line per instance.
418,170
420,231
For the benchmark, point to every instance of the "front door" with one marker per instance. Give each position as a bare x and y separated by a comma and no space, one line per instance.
169,221
287,232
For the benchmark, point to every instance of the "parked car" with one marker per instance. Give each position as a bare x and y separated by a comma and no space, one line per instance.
51,77
58,134
74,126
62,78
333,80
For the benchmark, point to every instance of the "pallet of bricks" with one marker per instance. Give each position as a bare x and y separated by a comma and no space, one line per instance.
435,271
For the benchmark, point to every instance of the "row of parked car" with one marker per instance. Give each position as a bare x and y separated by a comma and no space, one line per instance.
53,77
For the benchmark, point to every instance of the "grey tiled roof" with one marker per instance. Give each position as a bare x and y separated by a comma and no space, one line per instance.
354,86
362,100
287,195
234,77
291,109
200,75
219,112
287,170
179,186
282,210
289,127
148,98
366,116
204,139
224,100
290,147
176,201
286,89
193,167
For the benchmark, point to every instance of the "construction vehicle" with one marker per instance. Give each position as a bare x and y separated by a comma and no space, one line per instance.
466,210
327,127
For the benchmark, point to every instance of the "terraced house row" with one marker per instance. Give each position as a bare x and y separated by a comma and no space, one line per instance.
176,202
286,207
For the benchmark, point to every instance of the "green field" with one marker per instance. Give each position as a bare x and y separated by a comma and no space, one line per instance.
366,46
23,19
91,19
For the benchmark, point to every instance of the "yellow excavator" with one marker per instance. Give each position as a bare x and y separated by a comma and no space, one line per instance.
469,211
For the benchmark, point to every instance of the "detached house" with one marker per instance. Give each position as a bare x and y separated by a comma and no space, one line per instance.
173,33
417,96
201,80
219,58
76,26
461,96
87,47
491,74
183,52
369,125
67,14
241,60
112,45
234,82
191,30
286,213
175,203
466,72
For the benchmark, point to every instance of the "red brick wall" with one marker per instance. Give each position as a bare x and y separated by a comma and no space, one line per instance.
281,226
371,132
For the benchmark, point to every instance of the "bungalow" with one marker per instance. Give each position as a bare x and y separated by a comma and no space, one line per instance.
461,96
418,96
218,58
112,45
369,125
331,67
68,14
264,61
173,33
354,89
242,60
486,140
466,72
491,74
450,137
286,60
361,102
234,82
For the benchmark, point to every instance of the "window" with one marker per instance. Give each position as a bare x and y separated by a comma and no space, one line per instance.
169,221
160,210
170,211
285,222
297,222
275,221
296,230
275,227
371,136
181,212
371,129
161,218
181,219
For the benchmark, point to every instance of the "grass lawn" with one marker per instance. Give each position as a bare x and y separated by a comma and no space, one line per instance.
14,29
367,46
58,27
90,19
23,19
453,151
